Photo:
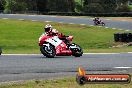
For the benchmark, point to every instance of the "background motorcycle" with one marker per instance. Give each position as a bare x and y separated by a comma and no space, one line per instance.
52,45
99,23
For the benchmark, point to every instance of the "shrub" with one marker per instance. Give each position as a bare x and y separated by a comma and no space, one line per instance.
123,8
93,8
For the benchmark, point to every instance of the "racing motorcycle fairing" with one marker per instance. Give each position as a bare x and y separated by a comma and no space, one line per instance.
53,45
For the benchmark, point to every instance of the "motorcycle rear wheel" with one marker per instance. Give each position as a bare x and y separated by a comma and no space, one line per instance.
50,53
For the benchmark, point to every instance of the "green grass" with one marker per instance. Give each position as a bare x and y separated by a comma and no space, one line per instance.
62,83
22,36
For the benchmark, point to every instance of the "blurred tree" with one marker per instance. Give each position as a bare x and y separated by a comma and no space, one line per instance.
61,5
14,5
2,3
100,5
122,6
41,5
93,6
7,6
86,2
31,4
109,5
71,5
78,7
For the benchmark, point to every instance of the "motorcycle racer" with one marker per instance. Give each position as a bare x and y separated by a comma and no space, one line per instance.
98,21
54,43
49,31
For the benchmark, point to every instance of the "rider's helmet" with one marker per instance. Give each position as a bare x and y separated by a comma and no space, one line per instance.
95,18
48,28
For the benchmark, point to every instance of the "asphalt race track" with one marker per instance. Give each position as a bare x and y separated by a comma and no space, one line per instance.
26,67
76,20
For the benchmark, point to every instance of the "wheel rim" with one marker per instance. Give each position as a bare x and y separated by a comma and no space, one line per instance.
48,50
78,50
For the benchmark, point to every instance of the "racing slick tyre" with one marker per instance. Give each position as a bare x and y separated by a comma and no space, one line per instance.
103,24
77,52
48,52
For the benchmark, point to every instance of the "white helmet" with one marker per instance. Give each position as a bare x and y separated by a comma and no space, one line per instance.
48,28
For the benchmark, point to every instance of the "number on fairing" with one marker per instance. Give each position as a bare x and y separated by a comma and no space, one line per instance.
54,41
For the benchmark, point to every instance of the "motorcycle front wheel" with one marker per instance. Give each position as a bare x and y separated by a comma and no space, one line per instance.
77,52
48,51
103,24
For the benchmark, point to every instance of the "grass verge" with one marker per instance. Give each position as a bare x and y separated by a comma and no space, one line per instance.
22,36
62,83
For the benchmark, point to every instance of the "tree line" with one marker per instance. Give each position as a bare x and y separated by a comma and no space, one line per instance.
85,6
106,6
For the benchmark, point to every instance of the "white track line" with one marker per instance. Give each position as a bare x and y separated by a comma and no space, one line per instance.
91,25
21,19
123,20
91,18
106,27
5,18
33,20
12,82
108,53
82,24
71,23
84,53
102,53
11,14
114,28
123,67
61,22
74,17
47,21
32,15
107,19
53,16
21,54
120,29
127,30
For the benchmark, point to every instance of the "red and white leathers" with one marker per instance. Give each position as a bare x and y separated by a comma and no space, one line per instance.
54,32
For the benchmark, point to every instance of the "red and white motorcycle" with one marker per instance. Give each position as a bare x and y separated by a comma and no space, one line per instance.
51,46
